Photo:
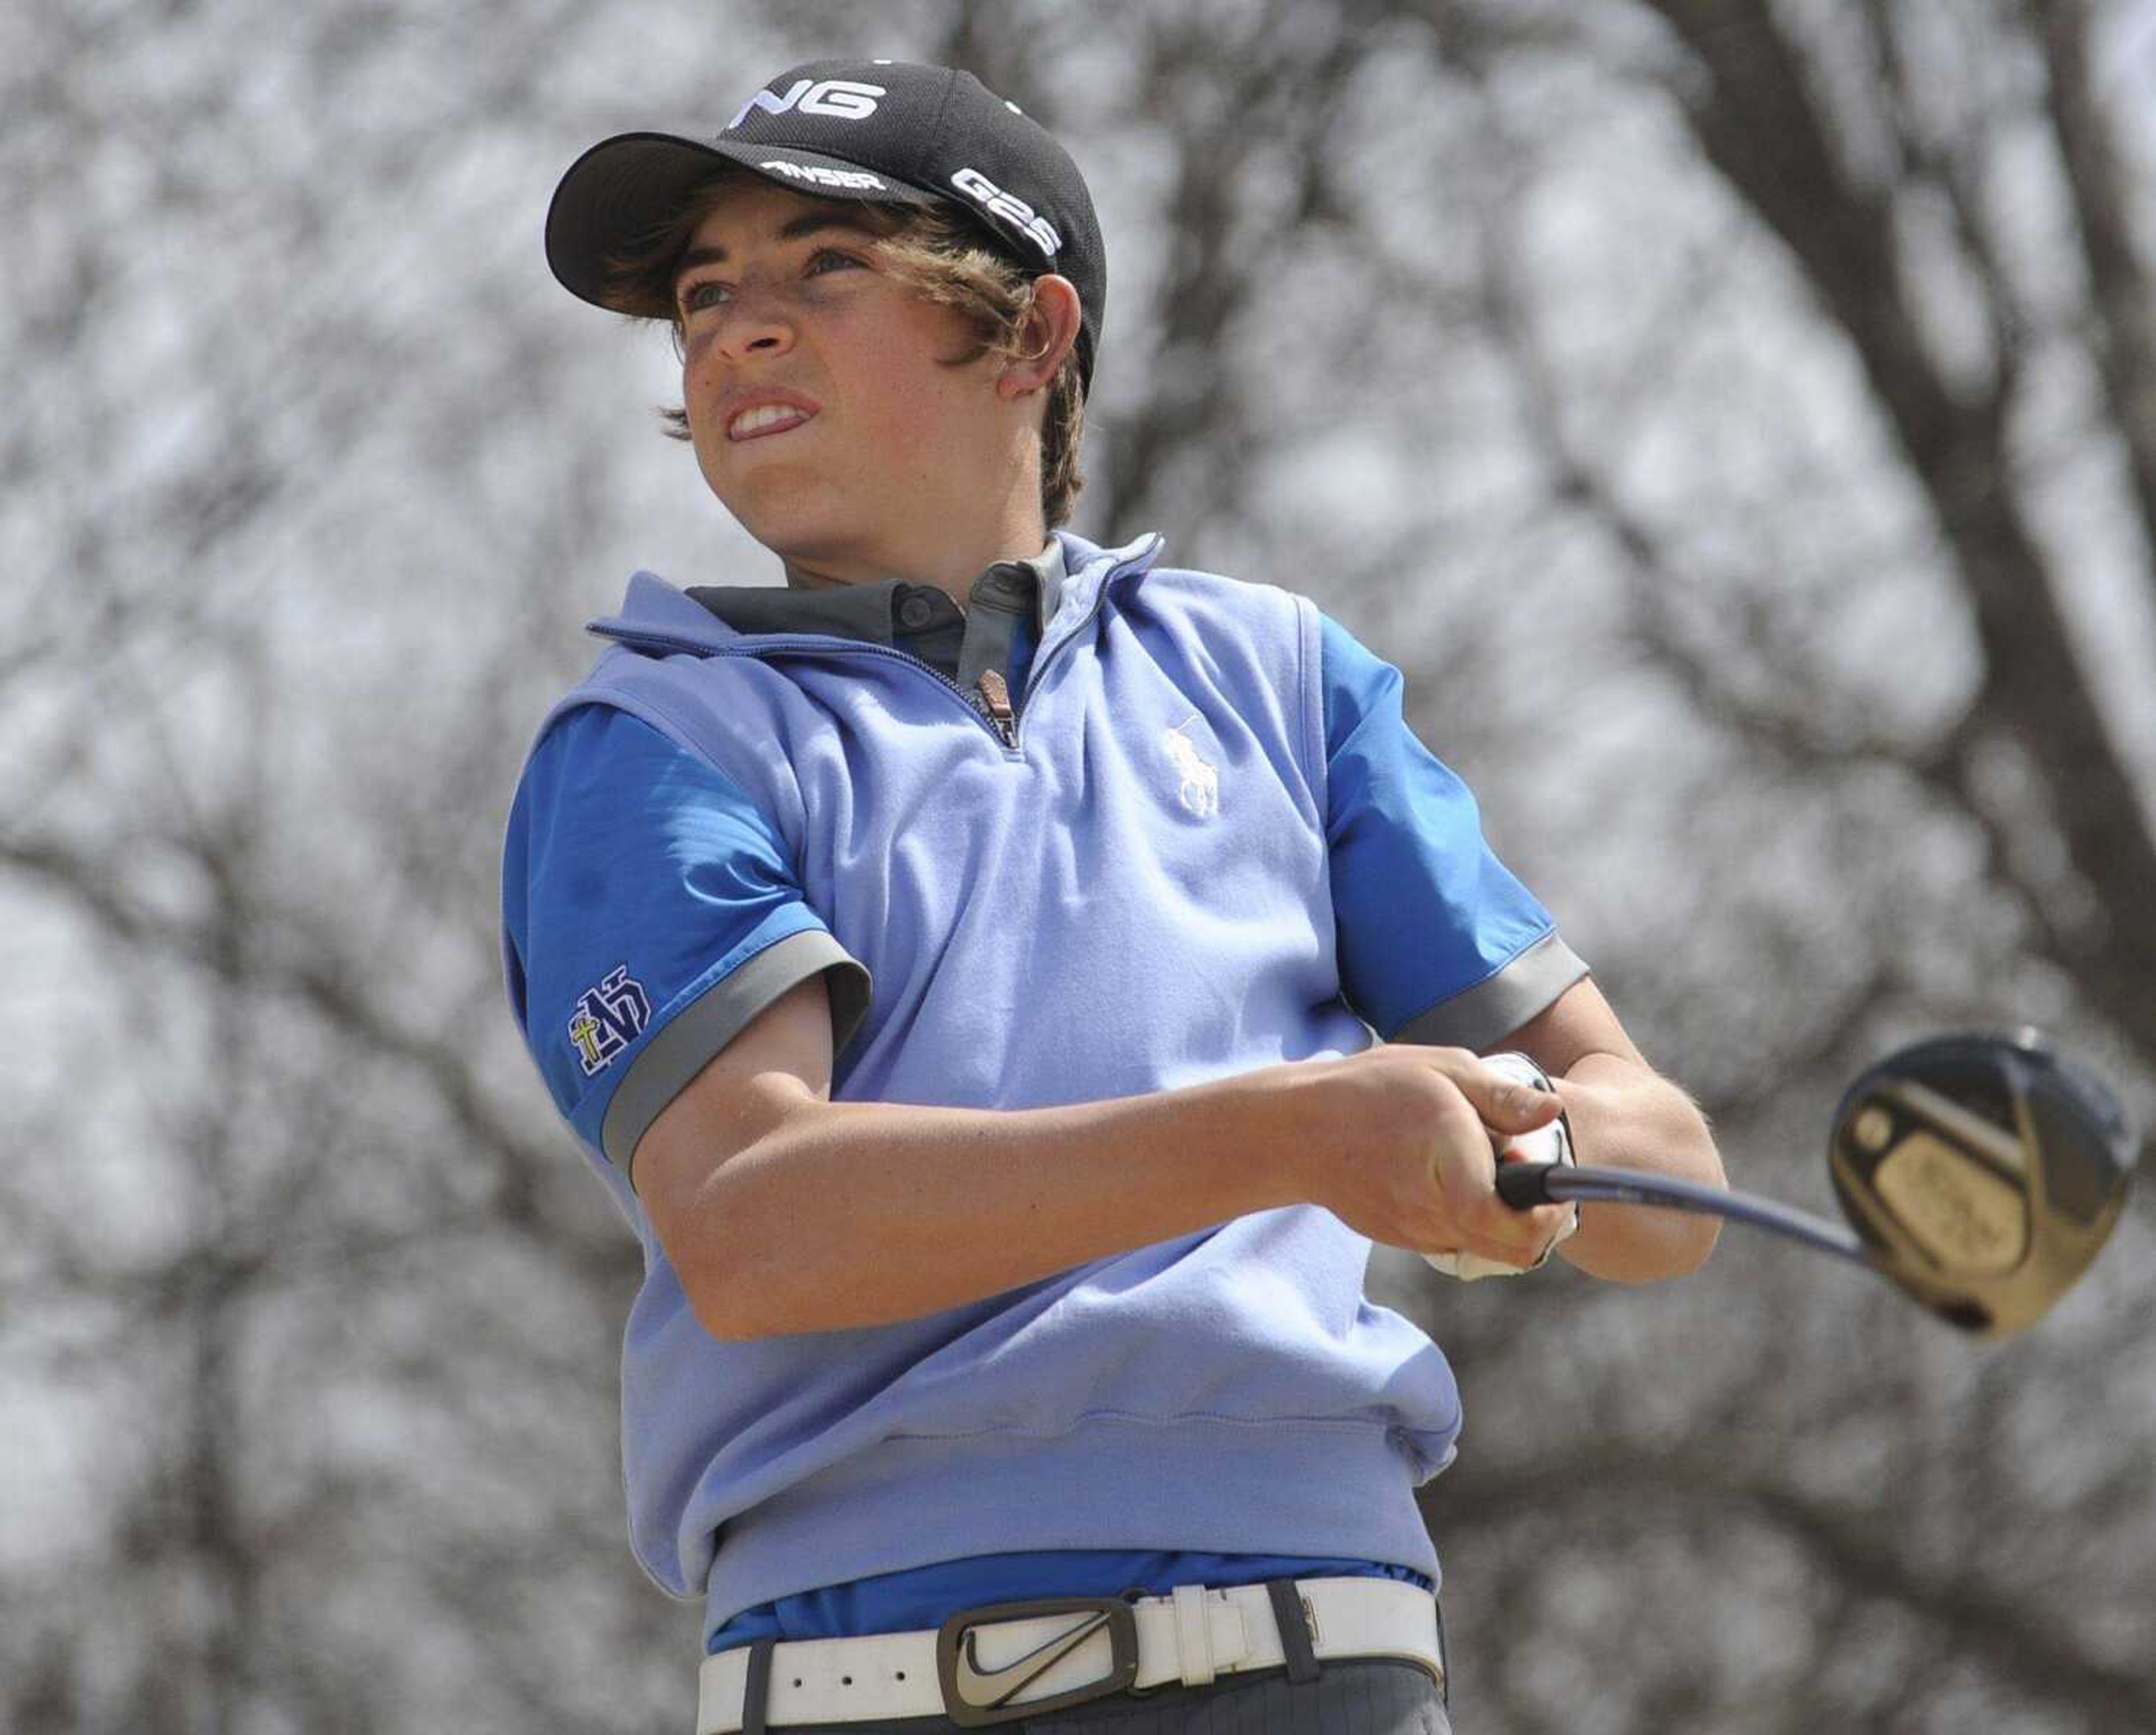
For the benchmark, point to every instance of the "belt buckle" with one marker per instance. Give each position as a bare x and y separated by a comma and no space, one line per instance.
974,1697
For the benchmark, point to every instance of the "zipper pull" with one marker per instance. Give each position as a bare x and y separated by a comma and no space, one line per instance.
995,694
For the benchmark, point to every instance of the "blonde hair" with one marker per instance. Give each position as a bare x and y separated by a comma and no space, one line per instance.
937,252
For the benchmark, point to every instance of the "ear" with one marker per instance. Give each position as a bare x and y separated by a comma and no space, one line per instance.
1050,330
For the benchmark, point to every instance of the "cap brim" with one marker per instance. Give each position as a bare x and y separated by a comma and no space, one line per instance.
621,194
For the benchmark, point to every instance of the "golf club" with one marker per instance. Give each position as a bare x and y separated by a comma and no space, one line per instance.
1982,1173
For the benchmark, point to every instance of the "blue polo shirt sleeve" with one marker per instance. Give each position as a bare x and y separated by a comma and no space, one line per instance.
649,911
1437,942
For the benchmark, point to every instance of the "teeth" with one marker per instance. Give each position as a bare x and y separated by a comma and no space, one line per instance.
763,416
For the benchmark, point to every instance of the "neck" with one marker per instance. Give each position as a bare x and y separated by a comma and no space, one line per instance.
949,556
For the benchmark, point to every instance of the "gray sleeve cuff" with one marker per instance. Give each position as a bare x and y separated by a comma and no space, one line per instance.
720,1014
1499,1005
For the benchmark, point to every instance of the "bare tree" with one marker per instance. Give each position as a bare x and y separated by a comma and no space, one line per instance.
1930,699
1735,420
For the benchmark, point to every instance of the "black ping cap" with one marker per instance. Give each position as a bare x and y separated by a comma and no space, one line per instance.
882,131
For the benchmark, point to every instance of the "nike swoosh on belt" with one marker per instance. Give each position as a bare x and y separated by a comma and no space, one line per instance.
973,1679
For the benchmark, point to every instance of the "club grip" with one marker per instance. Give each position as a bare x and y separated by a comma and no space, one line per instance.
1524,1186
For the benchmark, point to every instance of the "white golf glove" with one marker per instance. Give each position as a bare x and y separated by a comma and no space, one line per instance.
1552,1143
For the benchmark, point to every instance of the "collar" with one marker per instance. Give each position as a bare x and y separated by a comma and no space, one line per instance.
655,616
868,611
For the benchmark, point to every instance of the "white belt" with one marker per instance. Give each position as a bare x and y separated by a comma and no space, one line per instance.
1192,1635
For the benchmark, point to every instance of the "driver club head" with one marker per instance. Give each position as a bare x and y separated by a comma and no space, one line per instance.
1983,1172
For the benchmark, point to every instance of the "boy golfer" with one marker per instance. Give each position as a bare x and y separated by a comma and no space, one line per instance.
962,965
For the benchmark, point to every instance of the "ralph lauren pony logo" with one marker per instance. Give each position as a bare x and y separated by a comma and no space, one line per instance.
1199,792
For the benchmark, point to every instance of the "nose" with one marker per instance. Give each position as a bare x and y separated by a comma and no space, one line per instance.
756,323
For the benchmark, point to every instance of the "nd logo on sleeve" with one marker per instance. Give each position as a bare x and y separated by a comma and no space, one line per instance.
608,1018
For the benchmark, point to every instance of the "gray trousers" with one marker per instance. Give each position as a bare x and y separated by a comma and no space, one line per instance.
1362,1695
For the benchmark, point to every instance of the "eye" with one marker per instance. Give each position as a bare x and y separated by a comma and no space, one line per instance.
704,291
826,257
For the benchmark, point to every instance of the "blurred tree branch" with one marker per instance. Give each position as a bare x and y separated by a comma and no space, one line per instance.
2121,331
314,474
1759,124
2021,1638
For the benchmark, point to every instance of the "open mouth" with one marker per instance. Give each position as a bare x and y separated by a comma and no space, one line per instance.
766,420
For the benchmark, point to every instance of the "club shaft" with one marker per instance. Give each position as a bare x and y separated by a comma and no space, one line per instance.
1528,1184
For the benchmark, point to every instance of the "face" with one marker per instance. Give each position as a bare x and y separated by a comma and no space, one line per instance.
820,415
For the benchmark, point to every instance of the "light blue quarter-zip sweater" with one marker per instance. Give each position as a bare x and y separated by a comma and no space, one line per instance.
1124,888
